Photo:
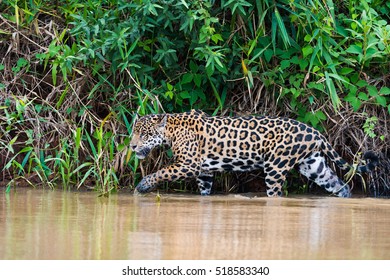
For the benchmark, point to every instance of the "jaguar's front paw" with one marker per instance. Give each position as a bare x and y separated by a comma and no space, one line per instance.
144,186
205,192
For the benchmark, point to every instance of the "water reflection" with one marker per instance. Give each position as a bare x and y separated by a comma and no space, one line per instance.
44,224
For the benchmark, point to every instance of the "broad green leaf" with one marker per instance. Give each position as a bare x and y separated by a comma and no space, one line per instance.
187,78
320,115
307,50
372,91
381,100
346,71
185,95
193,98
363,96
268,53
355,49
355,102
198,80
361,83
284,64
193,67
216,37
384,91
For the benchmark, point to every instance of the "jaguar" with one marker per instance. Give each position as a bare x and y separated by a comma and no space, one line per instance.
203,144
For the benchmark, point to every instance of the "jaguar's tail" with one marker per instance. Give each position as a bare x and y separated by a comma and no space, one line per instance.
370,157
372,161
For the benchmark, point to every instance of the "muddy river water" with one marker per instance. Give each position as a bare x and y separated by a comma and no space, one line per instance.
45,224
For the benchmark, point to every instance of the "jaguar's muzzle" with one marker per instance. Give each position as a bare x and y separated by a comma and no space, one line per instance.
141,154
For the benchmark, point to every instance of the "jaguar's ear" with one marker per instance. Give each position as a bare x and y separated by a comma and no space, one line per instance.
136,116
135,119
162,124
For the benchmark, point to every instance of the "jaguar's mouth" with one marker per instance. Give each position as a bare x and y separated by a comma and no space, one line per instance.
141,154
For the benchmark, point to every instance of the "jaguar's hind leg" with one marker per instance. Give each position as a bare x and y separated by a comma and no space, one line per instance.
205,182
315,168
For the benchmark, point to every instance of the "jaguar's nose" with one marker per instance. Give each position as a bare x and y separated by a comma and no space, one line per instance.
133,147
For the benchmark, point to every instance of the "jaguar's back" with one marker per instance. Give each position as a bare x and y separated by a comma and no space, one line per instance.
245,143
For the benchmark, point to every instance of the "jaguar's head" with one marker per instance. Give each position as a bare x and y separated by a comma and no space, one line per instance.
148,132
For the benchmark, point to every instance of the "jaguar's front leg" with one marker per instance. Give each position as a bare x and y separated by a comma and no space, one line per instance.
147,184
174,172
205,182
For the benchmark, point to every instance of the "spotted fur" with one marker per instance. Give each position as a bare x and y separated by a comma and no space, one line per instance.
203,144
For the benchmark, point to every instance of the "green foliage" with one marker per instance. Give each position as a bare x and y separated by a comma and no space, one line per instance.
180,51
149,42
369,126
330,56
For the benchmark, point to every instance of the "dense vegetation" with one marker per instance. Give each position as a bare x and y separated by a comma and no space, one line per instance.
73,73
